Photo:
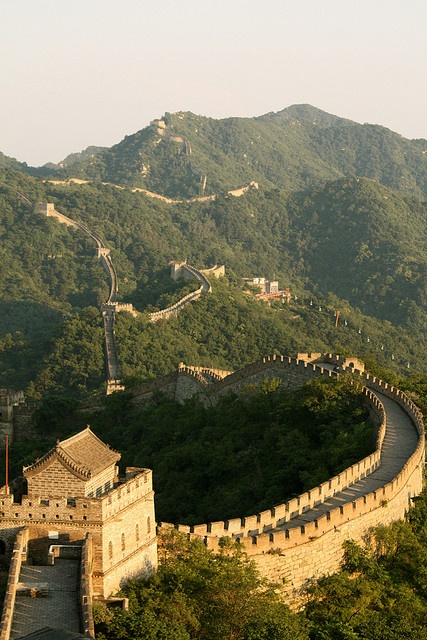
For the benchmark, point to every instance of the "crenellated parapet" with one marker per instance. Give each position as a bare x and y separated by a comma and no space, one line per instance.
174,309
302,538
184,270
75,490
17,558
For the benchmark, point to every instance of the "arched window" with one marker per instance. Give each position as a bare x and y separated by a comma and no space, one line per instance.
123,542
148,524
137,532
110,550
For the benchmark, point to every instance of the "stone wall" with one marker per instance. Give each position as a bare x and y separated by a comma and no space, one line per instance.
177,307
86,588
54,510
239,192
129,538
218,271
295,554
292,373
63,521
54,480
184,270
15,414
18,555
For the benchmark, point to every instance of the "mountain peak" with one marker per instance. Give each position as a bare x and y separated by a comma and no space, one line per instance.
307,112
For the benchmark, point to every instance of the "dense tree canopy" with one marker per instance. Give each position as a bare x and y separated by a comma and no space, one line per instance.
296,148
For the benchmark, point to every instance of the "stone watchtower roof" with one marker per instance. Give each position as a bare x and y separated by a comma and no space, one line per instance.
84,454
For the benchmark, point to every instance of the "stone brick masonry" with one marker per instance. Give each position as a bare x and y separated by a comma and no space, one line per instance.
66,500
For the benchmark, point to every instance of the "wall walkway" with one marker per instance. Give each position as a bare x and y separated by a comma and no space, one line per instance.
302,539
59,609
111,306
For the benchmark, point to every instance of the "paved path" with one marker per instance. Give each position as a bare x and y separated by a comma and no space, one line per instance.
59,609
400,442
108,318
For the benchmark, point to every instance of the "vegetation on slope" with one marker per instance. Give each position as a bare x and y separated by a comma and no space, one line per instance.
329,245
228,329
210,463
196,594
364,242
296,148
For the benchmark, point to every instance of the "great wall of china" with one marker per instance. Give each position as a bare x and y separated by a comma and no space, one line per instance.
297,541
112,306
300,540
233,192
262,534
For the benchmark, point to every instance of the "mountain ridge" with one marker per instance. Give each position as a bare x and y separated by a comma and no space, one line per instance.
297,147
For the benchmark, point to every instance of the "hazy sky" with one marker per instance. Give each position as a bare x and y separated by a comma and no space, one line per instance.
92,71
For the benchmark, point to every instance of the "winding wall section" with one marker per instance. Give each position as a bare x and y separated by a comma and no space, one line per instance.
302,539
111,306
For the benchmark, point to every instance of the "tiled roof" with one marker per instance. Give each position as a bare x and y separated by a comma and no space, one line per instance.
84,454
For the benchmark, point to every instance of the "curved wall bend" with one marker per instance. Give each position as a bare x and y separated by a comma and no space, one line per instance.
302,539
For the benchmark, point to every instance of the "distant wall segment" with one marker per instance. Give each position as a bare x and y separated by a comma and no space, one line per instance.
184,270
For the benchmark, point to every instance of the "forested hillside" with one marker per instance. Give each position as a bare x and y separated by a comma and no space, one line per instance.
350,245
296,148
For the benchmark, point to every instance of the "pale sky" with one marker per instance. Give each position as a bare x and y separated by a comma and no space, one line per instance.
89,72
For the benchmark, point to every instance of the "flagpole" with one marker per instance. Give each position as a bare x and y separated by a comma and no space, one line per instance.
7,464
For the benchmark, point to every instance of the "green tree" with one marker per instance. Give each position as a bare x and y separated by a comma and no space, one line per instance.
204,595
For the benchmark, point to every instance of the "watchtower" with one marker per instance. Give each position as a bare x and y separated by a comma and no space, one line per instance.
75,489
